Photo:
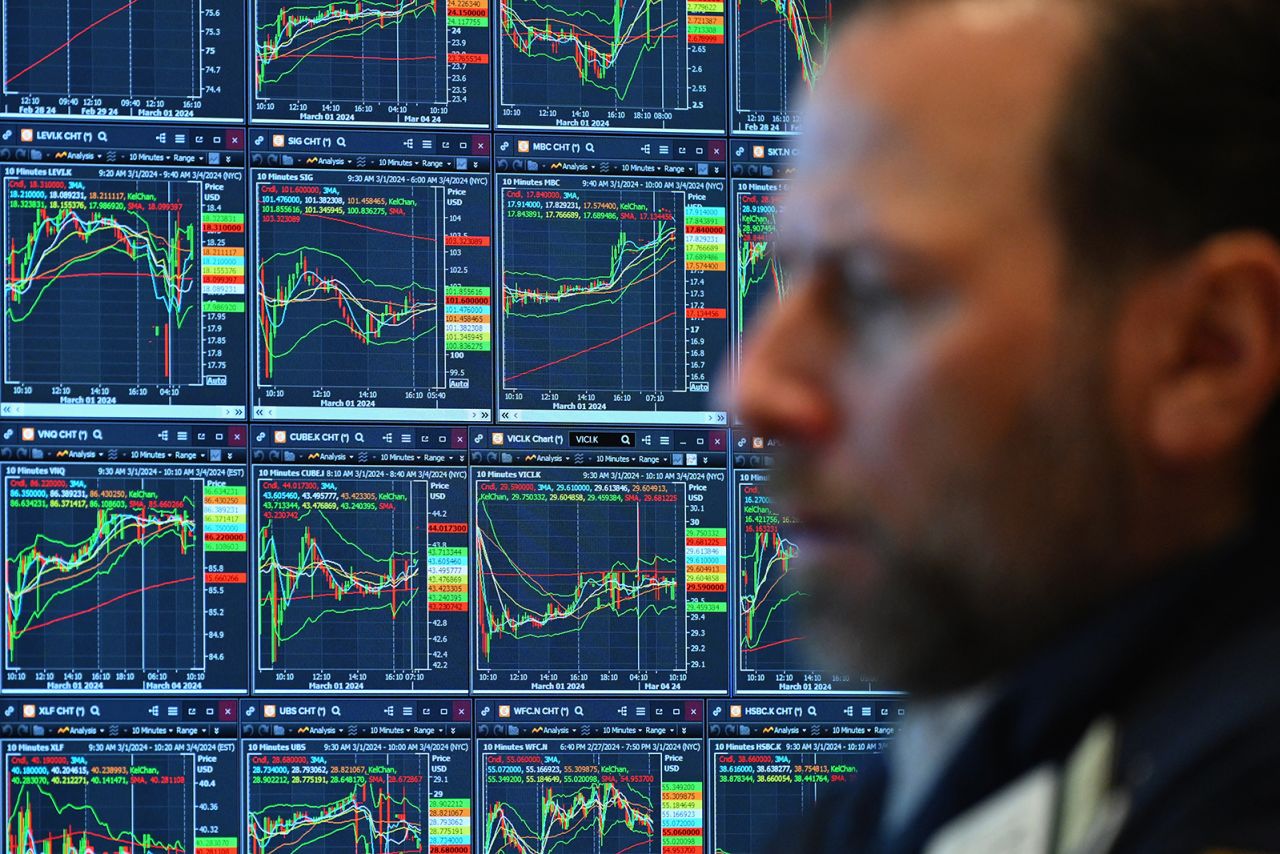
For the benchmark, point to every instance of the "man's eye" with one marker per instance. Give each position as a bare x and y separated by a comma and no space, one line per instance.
872,299
866,298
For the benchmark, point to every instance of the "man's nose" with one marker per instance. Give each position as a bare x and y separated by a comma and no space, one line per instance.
789,359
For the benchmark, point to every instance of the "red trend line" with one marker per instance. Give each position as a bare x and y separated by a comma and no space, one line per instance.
110,601
759,27
779,21
592,347
373,228
68,42
775,643
102,275
361,57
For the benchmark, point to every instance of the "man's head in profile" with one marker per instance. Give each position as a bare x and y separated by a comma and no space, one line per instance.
1032,343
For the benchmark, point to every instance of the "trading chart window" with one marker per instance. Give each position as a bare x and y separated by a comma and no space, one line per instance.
631,324
779,48
594,775
600,561
362,538
372,62
125,557
357,775
116,59
364,372
116,775
124,271
373,275
639,65
772,649
770,762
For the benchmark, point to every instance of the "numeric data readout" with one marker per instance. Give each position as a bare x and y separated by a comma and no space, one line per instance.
120,795
613,287
115,59
372,62
779,48
362,546
123,575
607,575
770,763
372,285
367,795
123,284
637,65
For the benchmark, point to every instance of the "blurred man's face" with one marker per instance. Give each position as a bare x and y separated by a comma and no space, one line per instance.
938,378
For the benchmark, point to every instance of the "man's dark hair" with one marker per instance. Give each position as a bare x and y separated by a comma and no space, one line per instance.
1168,135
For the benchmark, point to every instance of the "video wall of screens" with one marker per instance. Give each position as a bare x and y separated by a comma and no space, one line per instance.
366,473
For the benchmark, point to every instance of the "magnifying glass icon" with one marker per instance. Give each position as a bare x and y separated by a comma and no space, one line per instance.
102,136
626,439
590,148
359,437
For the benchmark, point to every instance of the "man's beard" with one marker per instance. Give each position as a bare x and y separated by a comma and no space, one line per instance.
1015,550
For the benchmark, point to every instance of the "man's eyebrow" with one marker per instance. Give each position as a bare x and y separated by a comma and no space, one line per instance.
878,246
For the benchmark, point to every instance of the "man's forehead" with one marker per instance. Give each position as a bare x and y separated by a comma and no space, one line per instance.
940,104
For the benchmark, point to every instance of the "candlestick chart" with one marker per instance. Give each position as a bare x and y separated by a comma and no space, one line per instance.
619,799
412,798
107,575
357,586
628,321
109,802
610,63
599,585
614,324
590,585
81,581
374,61
117,261
779,49
363,303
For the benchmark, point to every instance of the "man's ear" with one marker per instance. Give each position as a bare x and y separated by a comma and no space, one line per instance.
1219,354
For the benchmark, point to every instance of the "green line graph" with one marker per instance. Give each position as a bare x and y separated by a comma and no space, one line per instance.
529,294
370,583
50,571
376,820
521,603
60,243
298,34
595,810
373,313
608,50
42,820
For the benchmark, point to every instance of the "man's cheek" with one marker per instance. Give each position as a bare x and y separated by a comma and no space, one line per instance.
905,436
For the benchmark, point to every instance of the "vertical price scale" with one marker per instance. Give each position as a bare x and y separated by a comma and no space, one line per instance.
448,826
681,817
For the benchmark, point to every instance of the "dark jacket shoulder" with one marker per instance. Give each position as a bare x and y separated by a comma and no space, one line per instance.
1188,666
